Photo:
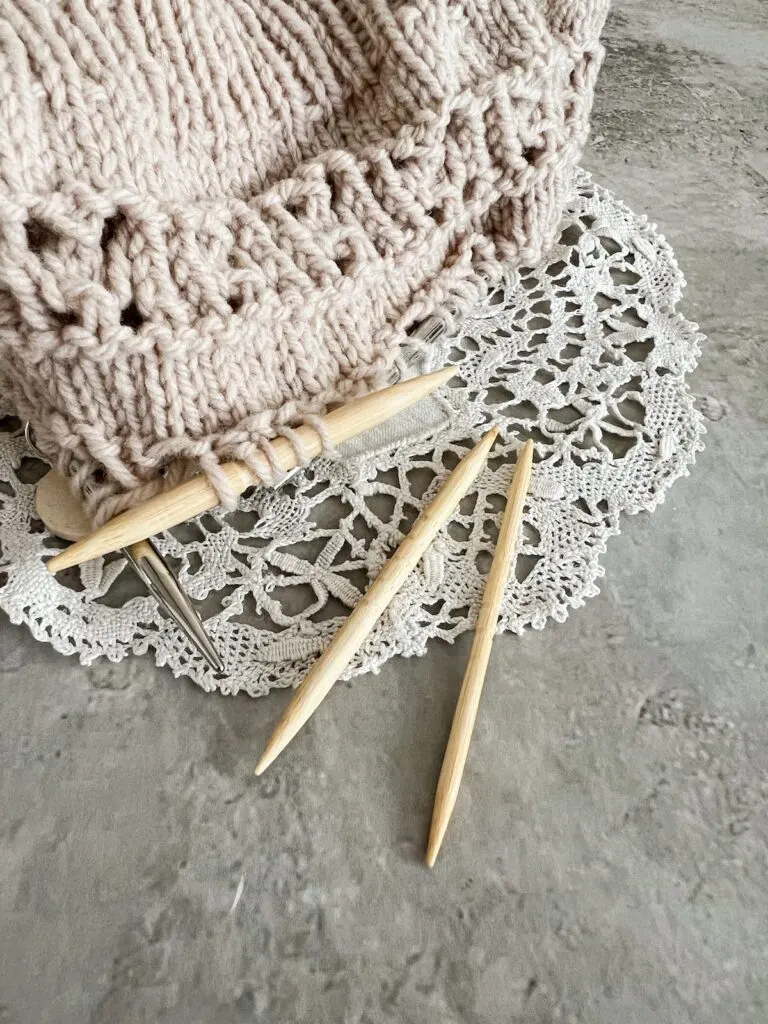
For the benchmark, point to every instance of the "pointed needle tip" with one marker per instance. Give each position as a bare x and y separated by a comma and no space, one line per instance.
435,842
267,758
446,372
210,654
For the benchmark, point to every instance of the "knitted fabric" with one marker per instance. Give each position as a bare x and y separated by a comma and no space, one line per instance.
219,216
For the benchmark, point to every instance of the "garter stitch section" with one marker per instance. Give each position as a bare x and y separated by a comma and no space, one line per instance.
219,216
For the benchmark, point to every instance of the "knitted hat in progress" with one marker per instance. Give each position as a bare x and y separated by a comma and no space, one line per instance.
219,216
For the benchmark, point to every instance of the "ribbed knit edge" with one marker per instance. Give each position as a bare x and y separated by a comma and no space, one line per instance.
438,251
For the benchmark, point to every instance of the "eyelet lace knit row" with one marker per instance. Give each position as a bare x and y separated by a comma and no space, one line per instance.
219,216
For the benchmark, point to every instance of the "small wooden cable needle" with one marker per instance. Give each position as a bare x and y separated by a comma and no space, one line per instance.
474,677
347,641
196,496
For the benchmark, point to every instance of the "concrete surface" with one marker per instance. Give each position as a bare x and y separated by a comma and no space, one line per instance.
607,862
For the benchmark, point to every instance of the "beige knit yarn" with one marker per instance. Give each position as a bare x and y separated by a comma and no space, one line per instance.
218,216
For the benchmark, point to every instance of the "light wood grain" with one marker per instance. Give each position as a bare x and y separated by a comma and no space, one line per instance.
474,677
349,638
196,496
64,515
59,509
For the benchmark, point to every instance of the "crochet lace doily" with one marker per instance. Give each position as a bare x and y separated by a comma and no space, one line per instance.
586,355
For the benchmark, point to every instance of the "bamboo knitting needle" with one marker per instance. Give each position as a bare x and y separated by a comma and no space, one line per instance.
474,677
347,641
196,496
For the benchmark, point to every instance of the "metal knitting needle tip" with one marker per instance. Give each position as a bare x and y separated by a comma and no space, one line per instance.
166,589
163,585
146,560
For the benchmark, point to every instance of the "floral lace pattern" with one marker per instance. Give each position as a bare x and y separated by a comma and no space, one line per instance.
585,354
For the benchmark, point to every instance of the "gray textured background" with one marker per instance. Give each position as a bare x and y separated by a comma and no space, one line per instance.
607,861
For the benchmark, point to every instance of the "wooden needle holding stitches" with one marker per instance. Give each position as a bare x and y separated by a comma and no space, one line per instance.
347,641
170,508
474,677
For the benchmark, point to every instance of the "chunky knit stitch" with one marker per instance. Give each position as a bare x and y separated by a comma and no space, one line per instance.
219,216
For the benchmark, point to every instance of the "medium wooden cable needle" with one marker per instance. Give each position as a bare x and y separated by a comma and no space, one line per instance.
347,641
196,496
474,677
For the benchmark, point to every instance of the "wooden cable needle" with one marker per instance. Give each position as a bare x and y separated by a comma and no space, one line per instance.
474,677
196,496
347,641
